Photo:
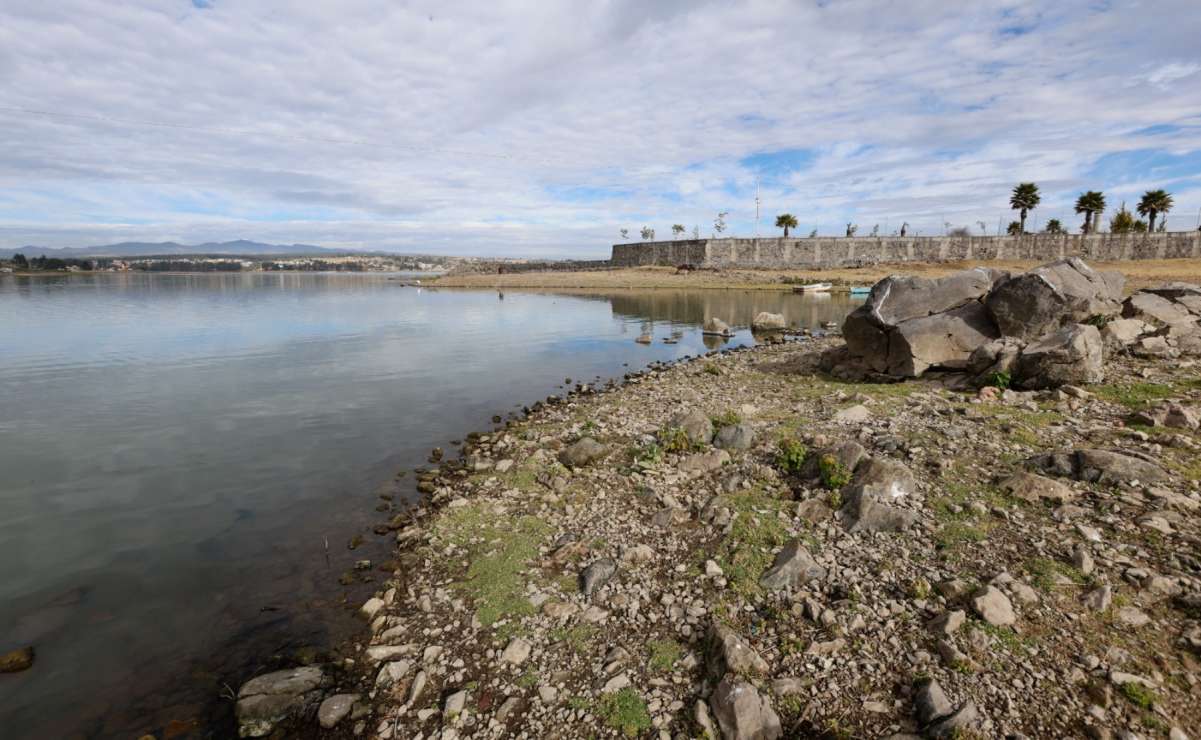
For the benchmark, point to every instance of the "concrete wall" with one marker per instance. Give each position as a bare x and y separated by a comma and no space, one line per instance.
819,252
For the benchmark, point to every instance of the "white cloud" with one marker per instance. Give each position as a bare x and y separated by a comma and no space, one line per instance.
522,127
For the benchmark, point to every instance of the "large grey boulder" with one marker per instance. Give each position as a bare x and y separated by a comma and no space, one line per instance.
267,700
582,452
870,499
919,305
1037,302
1119,334
792,567
695,423
741,713
1072,355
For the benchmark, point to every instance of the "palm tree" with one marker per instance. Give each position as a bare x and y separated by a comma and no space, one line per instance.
1025,197
1154,202
786,221
1054,227
1091,204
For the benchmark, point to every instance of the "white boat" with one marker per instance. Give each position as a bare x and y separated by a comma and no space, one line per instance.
812,288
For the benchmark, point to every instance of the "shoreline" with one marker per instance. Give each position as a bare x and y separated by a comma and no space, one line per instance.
484,624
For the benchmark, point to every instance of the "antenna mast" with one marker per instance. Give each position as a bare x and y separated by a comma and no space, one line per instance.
756,208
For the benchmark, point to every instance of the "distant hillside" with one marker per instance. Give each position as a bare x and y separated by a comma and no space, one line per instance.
141,249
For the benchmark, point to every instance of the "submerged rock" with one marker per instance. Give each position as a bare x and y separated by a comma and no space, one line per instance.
17,660
765,321
717,327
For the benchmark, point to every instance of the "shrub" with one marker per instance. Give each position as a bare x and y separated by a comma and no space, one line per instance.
1000,380
791,455
674,439
834,475
726,419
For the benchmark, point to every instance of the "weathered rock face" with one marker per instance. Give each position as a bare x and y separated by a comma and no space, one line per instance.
729,654
870,499
1156,310
735,437
998,356
267,700
1121,333
765,321
1069,356
944,340
895,299
1035,303
741,713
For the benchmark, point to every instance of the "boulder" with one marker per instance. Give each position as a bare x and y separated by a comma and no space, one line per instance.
1119,334
335,709
704,462
734,437
993,606
741,713
1097,466
792,567
765,321
596,575
267,700
897,299
944,340
729,654
1156,310
581,453
869,499
1038,302
1035,488
1068,356
998,356
848,454
717,327
1168,414
696,424
857,414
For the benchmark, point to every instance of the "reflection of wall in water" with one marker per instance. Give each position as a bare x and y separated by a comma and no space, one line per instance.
735,307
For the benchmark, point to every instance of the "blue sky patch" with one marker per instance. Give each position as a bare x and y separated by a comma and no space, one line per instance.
778,164
1145,164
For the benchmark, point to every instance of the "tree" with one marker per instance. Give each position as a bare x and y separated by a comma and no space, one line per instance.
983,227
676,230
1015,228
1123,221
648,234
1153,203
959,231
876,230
719,223
625,233
813,234
851,229
1054,227
786,221
904,228
1024,199
20,261
696,231
1091,204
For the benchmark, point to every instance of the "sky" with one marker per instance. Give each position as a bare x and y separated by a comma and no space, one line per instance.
541,129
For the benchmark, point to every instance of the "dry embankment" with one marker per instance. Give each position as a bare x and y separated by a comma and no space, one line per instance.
1139,274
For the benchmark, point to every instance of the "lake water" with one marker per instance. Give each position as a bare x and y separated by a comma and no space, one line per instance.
177,453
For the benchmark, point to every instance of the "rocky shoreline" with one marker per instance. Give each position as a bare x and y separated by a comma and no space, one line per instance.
744,546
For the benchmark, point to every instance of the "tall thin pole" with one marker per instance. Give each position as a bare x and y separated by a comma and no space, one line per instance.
756,208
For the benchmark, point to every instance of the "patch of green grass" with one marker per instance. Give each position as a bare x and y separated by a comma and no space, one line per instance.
834,475
529,679
1139,695
711,369
1044,573
576,638
953,534
499,548
579,702
625,711
1000,380
790,455
1134,395
745,553
647,454
1010,640
664,654
920,588
727,418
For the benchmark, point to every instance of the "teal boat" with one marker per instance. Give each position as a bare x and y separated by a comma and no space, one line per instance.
860,291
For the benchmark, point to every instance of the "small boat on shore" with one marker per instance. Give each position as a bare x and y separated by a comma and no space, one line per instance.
813,288
859,290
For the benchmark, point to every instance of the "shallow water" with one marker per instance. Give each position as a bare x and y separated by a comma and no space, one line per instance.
177,453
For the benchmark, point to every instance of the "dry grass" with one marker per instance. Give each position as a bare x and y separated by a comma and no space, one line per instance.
1139,274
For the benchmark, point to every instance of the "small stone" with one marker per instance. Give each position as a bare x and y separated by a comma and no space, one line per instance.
18,660
930,702
596,575
993,607
454,704
334,709
947,622
516,652
1099,598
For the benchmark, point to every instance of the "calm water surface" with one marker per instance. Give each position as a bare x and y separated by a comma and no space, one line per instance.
176,451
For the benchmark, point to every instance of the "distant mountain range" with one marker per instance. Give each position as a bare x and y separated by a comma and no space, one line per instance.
142,249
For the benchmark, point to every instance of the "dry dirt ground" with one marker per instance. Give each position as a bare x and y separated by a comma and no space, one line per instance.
1138,275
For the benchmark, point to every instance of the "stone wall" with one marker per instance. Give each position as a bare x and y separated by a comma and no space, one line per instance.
826,252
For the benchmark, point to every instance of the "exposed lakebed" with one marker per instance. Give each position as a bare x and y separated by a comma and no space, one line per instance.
185,457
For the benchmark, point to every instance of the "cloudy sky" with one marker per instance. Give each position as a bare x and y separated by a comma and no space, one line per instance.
542,128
